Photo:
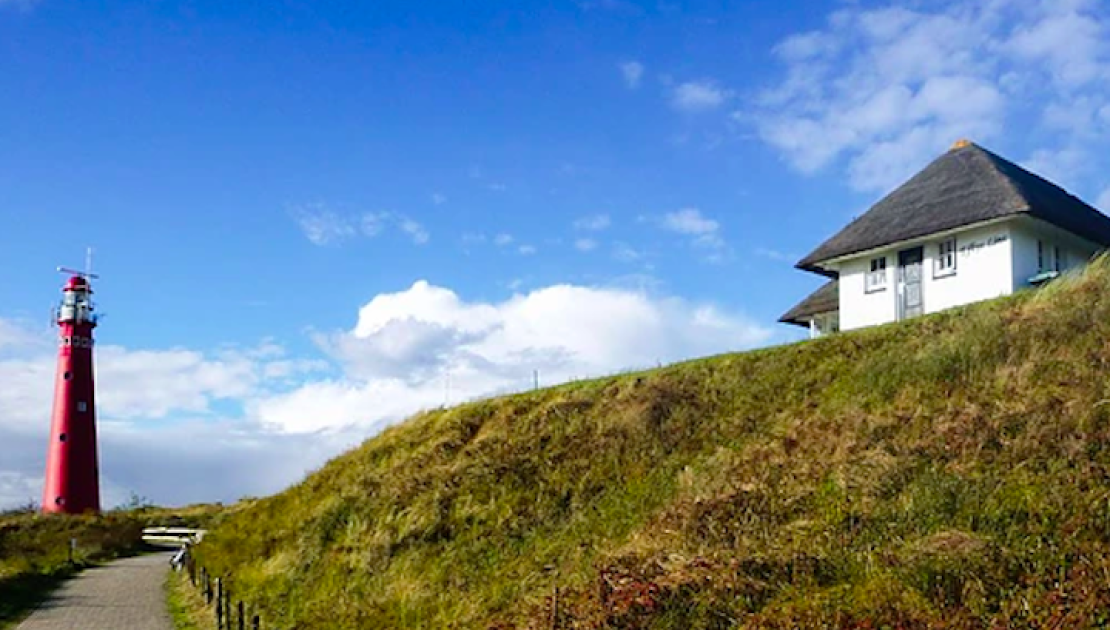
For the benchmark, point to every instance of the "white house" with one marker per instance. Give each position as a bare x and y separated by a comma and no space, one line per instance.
971,226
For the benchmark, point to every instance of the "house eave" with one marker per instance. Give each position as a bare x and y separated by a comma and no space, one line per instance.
822,266
804,320
823,301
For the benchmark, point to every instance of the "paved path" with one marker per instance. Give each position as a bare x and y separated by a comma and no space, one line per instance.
126,594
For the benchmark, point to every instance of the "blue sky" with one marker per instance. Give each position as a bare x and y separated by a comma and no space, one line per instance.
314,218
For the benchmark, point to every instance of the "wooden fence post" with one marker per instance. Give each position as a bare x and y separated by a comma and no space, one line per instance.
227,609
555,609
219,604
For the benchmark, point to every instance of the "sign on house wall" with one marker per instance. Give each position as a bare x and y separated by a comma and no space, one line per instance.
972,247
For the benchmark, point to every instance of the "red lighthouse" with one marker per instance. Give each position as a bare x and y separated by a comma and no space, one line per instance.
72,474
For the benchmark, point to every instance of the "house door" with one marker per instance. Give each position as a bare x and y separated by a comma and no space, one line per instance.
910,303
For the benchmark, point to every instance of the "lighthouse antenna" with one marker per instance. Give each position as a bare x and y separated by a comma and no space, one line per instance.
88,262
75,272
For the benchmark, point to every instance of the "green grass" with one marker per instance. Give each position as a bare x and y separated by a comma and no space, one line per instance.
35,554
948,472
187,609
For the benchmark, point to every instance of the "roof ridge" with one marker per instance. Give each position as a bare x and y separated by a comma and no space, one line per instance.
993,160
966,185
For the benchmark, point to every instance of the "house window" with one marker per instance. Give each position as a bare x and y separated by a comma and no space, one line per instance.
1059,259
876,277
1042,263
946,258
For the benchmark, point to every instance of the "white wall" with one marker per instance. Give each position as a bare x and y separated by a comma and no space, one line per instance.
1027,232
983,271
991,261
859,308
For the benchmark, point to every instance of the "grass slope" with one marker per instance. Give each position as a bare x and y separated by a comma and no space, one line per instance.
947,472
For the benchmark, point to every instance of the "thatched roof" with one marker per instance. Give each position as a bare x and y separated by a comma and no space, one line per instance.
966,185
823,300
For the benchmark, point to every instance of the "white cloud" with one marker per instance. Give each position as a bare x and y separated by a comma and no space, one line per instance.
407,346
183,425
632,71
194,461
372,223
415,231
886,89
502,239
699,96
806,46
153,383
140,384
1061,165
18,489
142,396
187,462
625,253
439,199
526,250
1066,39
325,406
26,395
1082,116
705,233
585,244
689,221
322,226
593,223
18,336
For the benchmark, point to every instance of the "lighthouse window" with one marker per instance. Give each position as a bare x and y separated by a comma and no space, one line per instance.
62,437
67,375
81,406
60,501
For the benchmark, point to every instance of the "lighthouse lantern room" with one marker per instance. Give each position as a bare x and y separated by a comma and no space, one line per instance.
72,482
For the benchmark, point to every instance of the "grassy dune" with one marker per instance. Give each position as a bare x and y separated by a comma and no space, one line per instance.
947,472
